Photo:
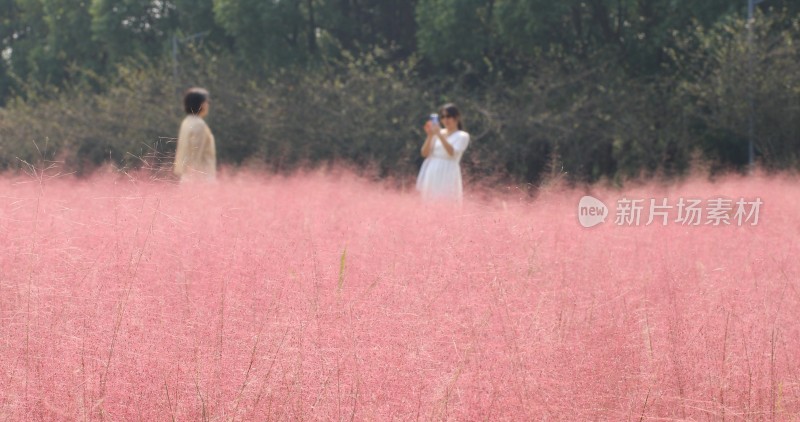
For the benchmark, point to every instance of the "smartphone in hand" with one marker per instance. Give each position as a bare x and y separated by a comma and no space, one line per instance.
435,120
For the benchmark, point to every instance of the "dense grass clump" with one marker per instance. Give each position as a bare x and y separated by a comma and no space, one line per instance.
326,297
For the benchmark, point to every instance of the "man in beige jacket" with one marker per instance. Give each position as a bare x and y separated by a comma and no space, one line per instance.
196,155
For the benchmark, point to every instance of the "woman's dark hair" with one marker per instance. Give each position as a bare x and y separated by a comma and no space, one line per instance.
193,99
450,109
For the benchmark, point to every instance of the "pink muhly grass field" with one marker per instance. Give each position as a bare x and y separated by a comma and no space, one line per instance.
327,297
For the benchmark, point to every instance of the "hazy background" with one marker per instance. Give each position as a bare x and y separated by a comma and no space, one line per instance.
586,89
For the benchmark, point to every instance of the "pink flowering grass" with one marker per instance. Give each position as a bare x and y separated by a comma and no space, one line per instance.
327,297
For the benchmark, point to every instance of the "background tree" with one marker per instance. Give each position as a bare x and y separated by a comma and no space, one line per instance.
132,28
359,26
9,20
454,32
270,33
591,88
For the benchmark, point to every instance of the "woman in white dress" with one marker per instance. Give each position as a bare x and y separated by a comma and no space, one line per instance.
440,174
196,154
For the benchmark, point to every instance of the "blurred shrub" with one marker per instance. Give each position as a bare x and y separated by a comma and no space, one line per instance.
723,75
82,130
587,120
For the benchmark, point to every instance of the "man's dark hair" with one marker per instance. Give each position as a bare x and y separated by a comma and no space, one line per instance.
194,99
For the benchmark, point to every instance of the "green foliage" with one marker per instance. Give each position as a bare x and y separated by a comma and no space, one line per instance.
361,114
82,130
131,28
68,45
24,31
591,88
353,27
197,17
267,32
453,31
722,72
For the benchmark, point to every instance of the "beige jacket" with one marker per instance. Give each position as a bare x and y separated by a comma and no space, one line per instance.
196,155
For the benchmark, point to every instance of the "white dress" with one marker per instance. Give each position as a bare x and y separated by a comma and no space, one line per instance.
440,174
